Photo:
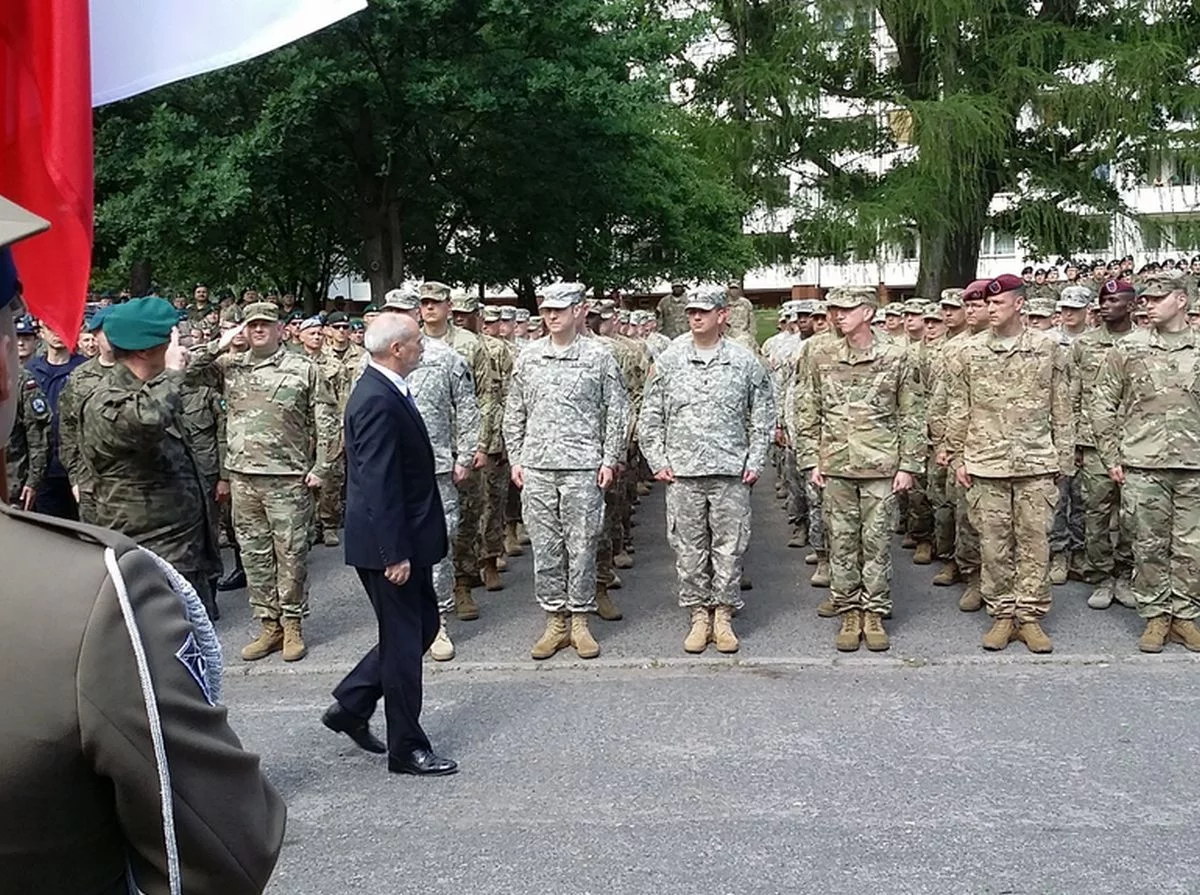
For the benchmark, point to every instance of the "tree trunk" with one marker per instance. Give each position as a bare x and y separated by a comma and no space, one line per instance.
140,278
948,259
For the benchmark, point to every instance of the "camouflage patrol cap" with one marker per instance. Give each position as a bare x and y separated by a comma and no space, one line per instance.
853,297
894,309
463,302
261,310
1160,283
605,308
232,314
624,315
951,298
707,298
522,315
933,312
914,306
562,295
1076,297
820,309
508,312
879,317
491,314
434,291
1039,307
403,298
535,322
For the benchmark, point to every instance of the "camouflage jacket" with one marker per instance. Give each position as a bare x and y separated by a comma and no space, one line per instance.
711,417
500,357
1087,357
1009,408
633,365
566,410
84,380
339,367
486,379
445,395
656,344
281,418
147,485
937,387
741,319
672,317
1145,405
29,445
858,414
203,414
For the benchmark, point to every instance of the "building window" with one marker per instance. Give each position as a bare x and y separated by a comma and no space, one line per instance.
998,244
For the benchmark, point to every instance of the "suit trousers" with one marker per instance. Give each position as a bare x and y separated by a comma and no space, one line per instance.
408,624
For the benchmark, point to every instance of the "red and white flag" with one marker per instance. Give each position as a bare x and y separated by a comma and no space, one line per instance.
58,58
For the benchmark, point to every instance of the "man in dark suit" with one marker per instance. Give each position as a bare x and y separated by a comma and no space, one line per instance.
395,534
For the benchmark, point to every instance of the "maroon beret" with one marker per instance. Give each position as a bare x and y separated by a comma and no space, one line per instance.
1006,282
975,290
1116,287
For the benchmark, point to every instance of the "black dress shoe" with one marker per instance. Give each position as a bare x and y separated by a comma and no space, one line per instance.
339,720
235,580
422,763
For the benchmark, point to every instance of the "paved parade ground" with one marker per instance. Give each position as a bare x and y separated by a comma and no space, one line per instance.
787,768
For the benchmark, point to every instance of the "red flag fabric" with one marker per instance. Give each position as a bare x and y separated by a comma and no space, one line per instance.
46,151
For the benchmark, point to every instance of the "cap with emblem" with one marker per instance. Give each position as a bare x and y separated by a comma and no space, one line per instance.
894,309
522,315
1075,297
562,295
951,298
1161,283
853,297
434,291
357,324
405,298
97,319
820,309
297,315
1115,287
261,310
508,312
232,314
707,298
535,323
310,323
1039,307
463,302
336,318
26,326
915,306
491,314
879,317
1006,282
140,323
933,312
802,307
976,290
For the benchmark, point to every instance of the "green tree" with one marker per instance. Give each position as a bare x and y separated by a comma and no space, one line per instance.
963,101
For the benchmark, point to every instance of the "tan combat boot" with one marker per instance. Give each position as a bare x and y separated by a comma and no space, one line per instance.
616,583
908,542
490,575
826,609
581,638
442,648
269,640
923,555
873,633
293,641
722,630
1155,635
330,538
1184,630
850,633
512,543
697,638
556,636
799,537
522,535
1002,632
1035,639
501,563
464,603
1058,568
623,561
1102,597
605,607
947,575
820,578
810,559
972,598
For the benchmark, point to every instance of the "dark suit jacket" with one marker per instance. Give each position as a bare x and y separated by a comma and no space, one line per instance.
393,508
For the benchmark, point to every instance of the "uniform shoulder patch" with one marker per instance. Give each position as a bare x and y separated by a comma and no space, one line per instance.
30,384
193,660
39,405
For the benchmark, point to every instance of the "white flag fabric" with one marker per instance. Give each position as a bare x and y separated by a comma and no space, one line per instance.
138,45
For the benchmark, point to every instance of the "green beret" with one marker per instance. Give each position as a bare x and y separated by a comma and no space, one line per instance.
140,323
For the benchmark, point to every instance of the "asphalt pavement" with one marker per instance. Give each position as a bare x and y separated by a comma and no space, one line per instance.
934,768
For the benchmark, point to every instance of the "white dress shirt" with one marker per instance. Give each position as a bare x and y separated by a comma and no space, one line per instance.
393,377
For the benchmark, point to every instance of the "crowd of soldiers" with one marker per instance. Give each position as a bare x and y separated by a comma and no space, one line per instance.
1022,443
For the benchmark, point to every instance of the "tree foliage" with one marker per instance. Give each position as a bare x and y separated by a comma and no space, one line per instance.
493,141
963,100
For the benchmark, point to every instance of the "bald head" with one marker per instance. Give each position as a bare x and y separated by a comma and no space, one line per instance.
394,341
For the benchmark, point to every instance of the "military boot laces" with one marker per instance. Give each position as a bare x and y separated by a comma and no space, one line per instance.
293,641
557,636
1000,634
1154,637
1035,639
269,640
697,638
850,634
581,637
874,635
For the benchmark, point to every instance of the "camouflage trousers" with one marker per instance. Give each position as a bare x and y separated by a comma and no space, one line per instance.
272,515
512,504
564,514
708,527
1102,517
816,515
797,502
497,476
612,534
941,501
330,499
1163,509
919,511
465,546
443,572
966,537
1013,517
859,513
87,506
1066,534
